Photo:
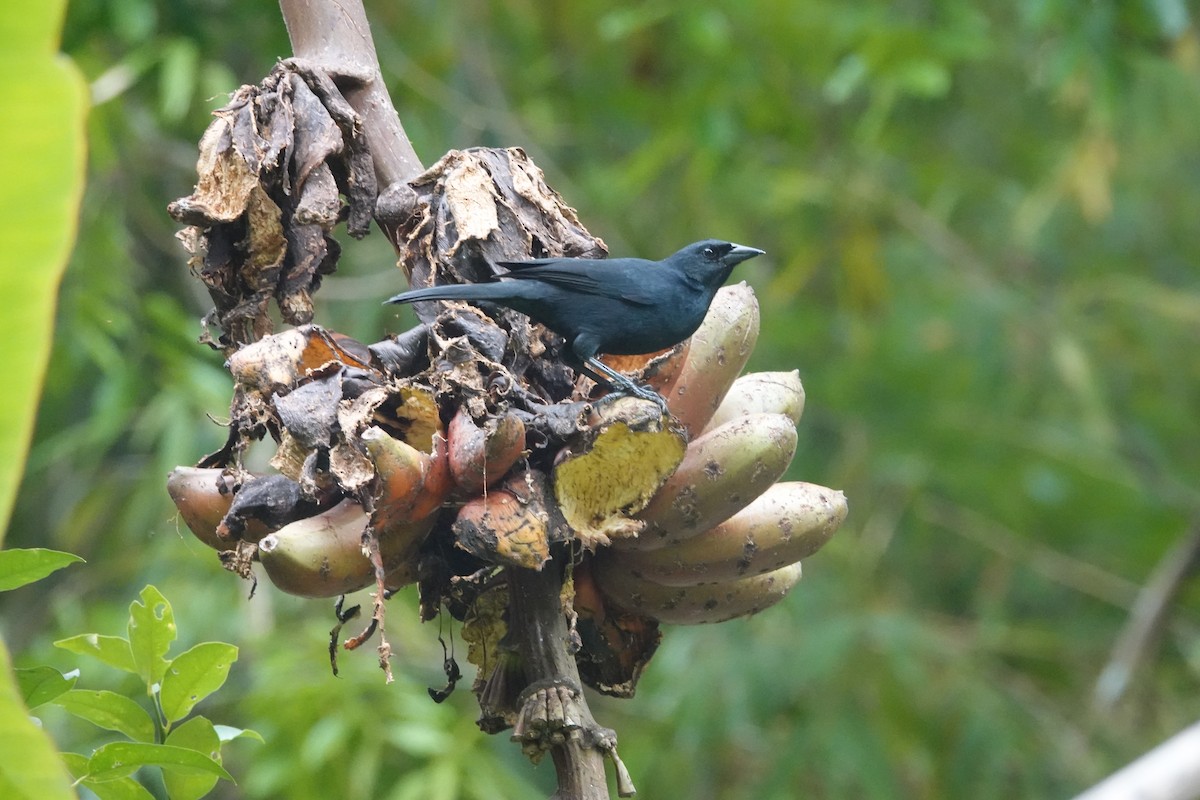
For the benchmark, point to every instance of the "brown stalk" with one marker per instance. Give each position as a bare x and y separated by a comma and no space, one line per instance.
333,35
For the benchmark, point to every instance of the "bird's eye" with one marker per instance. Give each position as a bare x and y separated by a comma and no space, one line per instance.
710,253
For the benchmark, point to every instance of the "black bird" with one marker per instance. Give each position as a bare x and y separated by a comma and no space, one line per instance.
619,306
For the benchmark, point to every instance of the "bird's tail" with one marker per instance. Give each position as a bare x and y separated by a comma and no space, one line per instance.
497,292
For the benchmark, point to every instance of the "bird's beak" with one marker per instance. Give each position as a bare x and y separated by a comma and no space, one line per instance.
740,253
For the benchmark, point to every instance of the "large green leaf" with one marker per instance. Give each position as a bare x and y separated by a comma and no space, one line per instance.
30,768
42,151
42,160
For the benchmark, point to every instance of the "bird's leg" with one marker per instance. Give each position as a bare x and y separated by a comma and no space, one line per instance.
618,382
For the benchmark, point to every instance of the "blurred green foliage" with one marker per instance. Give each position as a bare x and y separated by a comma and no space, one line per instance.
982,256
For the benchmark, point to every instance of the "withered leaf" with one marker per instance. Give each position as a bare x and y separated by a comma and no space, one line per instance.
265,242
273,500
316,136
309,412
224,181
354,170
307,251
271,166
405,353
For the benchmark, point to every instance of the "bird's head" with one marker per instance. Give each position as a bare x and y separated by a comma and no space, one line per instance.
727,253
714,257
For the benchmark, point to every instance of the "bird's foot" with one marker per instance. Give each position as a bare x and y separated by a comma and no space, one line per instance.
622,385
642,393
646,393
617,392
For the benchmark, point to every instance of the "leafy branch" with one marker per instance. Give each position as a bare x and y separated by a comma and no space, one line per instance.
186,748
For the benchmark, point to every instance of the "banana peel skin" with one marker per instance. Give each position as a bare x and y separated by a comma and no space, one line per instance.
323,556
721,472
787,523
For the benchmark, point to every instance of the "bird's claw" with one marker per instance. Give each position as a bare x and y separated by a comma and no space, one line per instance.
646,393
621,384
633,390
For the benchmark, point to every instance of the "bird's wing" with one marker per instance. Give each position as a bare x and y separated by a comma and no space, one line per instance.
513,266
601,281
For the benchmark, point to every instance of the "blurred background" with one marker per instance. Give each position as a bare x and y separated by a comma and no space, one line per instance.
981,222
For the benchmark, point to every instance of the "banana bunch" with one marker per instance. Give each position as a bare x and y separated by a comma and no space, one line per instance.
460,455
720,538
681,519
678,531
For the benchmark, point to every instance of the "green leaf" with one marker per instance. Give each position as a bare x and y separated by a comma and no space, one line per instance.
151,631
29,765
121,759
42,160
112,650
42,684
20,567
849,76
228,734
120,789
196,734
109,710
194,675
422,739
76,764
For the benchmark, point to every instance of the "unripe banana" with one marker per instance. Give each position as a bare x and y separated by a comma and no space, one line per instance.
438,482
716,354
482,455
411,484
694,605
761,393
203,504
322,556
788,522
721,473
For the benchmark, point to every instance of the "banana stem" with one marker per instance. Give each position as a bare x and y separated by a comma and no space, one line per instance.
553,710
333,35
